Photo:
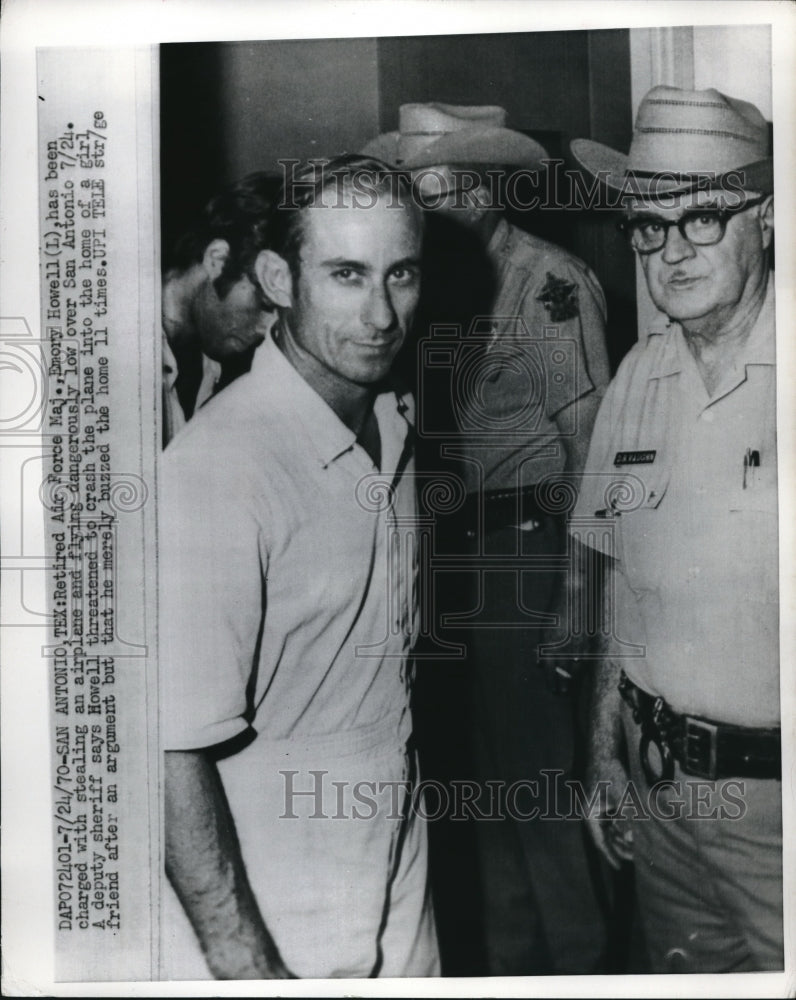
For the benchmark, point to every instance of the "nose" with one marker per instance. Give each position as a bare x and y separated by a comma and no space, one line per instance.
378,311
676,247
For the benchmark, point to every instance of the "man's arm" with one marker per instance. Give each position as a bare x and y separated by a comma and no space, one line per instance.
204,864
575,422
606,772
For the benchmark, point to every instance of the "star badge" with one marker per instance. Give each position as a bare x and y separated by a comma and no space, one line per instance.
560,298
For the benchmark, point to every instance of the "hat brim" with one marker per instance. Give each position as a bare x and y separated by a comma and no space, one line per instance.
613,169
501,146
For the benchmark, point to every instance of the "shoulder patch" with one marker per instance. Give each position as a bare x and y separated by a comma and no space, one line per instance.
560,298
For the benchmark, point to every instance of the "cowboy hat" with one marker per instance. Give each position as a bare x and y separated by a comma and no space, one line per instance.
685,139
433,134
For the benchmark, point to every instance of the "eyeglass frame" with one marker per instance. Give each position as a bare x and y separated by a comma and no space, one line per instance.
722,214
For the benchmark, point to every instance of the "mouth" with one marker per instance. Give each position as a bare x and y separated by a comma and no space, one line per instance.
377,346
682,281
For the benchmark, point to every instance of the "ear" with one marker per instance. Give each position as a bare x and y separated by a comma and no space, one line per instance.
766,215
482,196
273,273
214,258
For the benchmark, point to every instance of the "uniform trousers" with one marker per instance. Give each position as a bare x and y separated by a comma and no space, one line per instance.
542,914
708,861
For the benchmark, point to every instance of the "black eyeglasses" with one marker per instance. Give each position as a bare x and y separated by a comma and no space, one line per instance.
702,227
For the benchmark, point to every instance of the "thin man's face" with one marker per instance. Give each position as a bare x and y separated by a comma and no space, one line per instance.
689,282
358,286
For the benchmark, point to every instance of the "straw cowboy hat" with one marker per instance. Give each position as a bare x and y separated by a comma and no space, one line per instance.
434,134
680,134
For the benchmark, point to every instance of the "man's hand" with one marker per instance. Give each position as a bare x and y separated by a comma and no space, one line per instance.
606,775
233,959
570,635
237,944
561,674
611,832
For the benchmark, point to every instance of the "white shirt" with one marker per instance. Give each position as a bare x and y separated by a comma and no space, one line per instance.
173,414
695,480
287,564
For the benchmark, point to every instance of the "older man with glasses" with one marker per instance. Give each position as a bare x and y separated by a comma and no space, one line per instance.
680,496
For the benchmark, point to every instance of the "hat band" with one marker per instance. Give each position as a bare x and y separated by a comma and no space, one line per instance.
692,175
676,102
406,135
698,131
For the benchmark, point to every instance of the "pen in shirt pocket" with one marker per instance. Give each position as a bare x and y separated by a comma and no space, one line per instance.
751,462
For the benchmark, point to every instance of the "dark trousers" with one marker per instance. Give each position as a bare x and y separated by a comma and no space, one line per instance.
541,909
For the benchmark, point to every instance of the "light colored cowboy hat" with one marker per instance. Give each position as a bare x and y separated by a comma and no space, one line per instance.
434,134
690,134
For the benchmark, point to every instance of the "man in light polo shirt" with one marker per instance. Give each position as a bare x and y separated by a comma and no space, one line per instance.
288,614
681,487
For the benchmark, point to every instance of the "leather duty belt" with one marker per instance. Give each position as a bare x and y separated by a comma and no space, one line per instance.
702,747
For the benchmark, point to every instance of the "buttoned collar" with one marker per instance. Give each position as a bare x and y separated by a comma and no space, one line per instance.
329,436
759,348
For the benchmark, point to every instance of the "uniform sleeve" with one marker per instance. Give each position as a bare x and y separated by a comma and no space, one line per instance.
601,479
212,571
593,313
564,310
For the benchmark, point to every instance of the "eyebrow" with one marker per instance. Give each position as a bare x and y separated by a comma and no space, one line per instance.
407,262
650,213
363,267
355,265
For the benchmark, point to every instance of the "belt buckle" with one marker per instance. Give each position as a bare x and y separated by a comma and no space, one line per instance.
700,748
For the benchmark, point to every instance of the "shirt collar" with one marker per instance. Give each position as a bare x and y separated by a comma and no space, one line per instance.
759,348
169,363
211,372
330,437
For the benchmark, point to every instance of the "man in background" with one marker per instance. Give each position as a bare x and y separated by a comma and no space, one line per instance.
214,311
528,371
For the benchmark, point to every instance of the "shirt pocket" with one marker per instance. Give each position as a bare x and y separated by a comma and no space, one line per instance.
759,494
634,487
751,546
643,521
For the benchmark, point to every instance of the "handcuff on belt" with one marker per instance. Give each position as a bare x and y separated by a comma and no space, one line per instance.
702,747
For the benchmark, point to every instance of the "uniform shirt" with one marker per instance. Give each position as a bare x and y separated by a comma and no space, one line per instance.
542,348
173,414
695,538
286,568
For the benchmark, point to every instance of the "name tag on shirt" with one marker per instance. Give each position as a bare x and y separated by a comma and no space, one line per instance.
634,457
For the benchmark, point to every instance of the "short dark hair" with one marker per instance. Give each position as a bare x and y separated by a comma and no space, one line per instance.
301,189
238,215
